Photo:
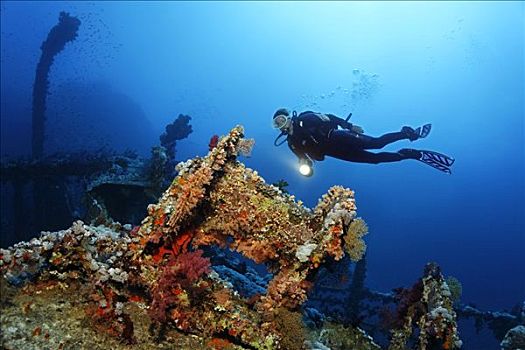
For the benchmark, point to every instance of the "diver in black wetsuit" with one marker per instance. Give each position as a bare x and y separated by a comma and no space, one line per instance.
312,136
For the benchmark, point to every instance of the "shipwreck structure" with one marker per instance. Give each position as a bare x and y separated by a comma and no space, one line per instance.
62,33
155,282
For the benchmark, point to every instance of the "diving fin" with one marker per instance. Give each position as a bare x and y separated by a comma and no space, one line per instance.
423,131
437,160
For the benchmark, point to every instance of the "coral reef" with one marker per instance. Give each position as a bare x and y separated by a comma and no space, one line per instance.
214,201
455,288
214,140
217,201
514,339
290,325
428,307
354,244
177,280
183,277
336,336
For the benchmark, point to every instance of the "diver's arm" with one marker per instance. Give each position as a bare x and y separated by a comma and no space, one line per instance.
345,124
299,153
340,122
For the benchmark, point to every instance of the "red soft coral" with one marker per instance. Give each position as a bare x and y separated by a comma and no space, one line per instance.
214,140
177,278
190,266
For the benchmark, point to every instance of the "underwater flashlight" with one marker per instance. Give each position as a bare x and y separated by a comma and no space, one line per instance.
305,167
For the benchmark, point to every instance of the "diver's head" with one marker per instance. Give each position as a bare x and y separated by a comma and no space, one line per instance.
282,119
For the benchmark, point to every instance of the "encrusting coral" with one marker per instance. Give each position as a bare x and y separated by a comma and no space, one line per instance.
354,245
214,200
428,307
337,336
514,339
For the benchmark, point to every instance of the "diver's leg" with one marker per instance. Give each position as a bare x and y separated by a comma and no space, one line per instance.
375,158
370,142
346,139
362,156
406,132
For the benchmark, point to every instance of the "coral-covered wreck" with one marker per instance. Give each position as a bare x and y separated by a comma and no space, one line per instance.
154,286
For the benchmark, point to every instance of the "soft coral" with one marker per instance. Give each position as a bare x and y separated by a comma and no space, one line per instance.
177,278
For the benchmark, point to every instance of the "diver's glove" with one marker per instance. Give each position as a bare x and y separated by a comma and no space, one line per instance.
349,126
345,124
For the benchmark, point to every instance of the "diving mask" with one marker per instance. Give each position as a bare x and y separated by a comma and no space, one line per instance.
281,122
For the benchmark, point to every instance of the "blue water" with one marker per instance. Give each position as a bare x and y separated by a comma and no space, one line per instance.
460,66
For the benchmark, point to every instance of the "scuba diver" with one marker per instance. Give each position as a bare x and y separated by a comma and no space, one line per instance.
312,136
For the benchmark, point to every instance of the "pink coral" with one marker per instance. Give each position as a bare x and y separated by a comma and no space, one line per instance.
190,266
214,140
177,278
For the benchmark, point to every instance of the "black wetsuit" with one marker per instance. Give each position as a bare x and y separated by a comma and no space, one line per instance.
317,135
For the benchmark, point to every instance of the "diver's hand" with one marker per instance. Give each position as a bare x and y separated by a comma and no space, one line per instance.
346,125
306,160
357,129
354,128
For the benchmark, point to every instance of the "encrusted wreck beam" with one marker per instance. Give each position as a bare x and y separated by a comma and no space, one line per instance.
62,33
215,200
504,319
428,307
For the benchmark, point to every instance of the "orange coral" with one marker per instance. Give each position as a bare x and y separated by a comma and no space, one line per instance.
227,204
180,245
222,297
219,344
354,244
